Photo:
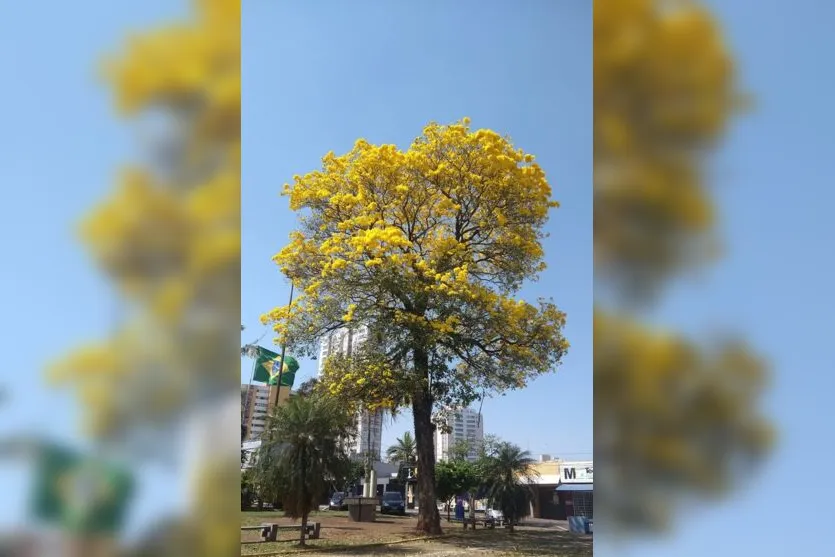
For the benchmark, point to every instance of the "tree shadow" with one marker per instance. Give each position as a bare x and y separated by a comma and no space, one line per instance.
522,542
394,549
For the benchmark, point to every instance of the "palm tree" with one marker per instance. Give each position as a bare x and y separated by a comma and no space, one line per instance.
266,480
404,452
305,436
509,476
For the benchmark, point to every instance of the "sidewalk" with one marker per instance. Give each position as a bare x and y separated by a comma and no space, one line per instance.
561,525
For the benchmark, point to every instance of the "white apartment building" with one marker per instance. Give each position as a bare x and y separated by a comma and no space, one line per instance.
466,425
254,408
369,425
369,435
341,341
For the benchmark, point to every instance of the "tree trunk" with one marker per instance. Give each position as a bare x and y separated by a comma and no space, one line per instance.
429,520
304,497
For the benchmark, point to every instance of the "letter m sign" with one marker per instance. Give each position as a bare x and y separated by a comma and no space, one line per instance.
569,473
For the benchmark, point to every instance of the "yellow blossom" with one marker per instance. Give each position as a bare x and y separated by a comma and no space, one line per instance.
350,315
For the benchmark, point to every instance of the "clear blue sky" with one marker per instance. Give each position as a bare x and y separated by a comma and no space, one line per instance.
317,76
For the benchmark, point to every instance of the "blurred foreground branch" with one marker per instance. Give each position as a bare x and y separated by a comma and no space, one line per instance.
674,419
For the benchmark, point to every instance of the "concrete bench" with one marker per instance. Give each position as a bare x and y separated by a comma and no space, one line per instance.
269,530
488,523
313,530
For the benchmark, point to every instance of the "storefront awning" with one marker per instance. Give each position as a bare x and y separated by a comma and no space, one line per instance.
575,487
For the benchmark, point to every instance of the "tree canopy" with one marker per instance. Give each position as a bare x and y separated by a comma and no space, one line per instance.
404,451
456,477
428,243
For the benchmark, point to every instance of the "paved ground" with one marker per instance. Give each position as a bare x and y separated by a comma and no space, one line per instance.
336,528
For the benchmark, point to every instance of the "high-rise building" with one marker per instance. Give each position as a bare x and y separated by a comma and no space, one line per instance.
369,435
254,409
466,425
369,424
257,401
341,341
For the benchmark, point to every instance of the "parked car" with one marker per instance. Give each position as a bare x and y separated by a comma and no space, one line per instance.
495,514
393,503
337,502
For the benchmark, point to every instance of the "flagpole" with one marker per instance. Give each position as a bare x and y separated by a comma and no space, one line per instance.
283,349
246,403
250,352
244,429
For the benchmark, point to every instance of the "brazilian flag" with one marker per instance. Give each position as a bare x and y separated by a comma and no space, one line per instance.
268,364
80,494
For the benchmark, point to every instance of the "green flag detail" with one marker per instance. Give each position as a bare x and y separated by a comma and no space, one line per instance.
268,364
80,494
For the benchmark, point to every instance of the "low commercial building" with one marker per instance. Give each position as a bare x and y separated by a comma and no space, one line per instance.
563,489
386,479
575,494
544,504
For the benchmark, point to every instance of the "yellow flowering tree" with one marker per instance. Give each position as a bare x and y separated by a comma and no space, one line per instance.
674,419
426,248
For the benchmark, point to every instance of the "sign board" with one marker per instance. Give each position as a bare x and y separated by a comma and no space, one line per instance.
577,472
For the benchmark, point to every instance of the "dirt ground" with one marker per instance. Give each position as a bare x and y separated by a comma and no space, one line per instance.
337,527
339,533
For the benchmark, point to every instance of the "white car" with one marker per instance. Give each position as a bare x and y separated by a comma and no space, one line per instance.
495,514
